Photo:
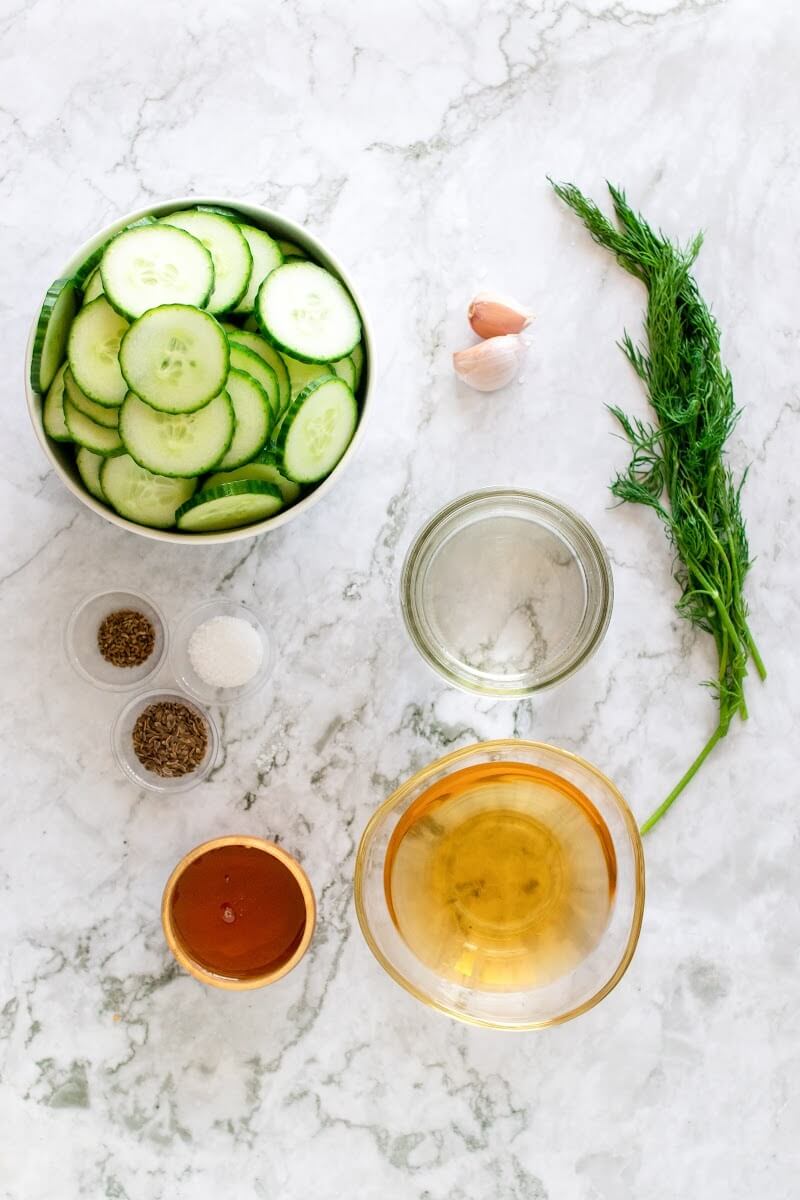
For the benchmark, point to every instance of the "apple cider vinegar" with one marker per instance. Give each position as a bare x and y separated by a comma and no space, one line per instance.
501,877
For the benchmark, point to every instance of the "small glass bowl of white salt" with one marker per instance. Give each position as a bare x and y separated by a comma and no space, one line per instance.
221,653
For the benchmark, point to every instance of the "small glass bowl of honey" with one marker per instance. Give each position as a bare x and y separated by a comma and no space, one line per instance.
503,885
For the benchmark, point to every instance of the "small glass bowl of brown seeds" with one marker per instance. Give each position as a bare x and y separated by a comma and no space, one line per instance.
164,741
116,639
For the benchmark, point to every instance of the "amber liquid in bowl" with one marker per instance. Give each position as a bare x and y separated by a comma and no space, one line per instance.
238,912
501,877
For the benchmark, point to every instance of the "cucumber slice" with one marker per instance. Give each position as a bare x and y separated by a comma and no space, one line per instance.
99,413
357,355
229,251
53,409
229,505
175,358
155,264
253,419
261,347
89,464
88,266
301,374
88,433
229,213
93,352
317,430
251,325
255,366
93,287
345,368
266,257
291,250
141,496
179,445
52,331
307,313
267,471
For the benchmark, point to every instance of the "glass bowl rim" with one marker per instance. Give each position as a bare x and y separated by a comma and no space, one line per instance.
510,745
538,502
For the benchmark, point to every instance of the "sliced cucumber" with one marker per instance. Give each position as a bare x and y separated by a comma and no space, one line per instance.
301,374
88,433
93,352
53,409
307,313
357,355
175,358
317,430
93,286
55,426
142,496
258,369
266,257
52,331
229,213
179,445
229,505
89,264
291,250
261,347
345,368
266,468
99,413
253,419
87,268
89,464
229,252
251,324
155,264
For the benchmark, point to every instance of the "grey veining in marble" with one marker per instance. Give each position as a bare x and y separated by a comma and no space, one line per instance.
415,139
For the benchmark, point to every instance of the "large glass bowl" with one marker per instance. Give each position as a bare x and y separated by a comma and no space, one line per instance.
534,1008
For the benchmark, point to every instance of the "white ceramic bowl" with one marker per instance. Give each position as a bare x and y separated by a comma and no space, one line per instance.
61,455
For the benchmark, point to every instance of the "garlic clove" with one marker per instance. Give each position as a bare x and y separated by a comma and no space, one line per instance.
491,364
491,315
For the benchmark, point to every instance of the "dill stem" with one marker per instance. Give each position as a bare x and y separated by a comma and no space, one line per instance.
754,654
656,816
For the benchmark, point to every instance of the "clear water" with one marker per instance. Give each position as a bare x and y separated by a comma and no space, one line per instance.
505,597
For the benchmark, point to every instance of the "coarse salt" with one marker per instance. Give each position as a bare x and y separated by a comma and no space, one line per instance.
225,652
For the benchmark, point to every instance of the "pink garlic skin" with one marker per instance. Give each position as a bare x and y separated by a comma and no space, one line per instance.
491,315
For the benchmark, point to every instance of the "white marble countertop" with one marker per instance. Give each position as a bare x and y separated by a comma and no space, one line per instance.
414,139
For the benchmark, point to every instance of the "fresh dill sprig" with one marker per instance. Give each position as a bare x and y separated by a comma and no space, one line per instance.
678,465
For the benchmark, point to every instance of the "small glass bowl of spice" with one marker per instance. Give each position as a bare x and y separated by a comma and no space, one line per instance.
221,652
163,741
116,639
